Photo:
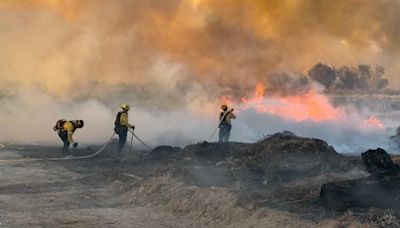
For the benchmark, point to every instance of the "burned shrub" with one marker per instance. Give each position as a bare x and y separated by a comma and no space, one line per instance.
322,74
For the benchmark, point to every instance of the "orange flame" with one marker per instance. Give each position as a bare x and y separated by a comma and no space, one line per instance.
308,106
374,121
260,90
302,107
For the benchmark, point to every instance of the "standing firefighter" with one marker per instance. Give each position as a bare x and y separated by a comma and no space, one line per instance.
121,128
225,125
65,130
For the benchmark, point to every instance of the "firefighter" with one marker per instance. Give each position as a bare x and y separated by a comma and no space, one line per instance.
65,130
121,128
225,125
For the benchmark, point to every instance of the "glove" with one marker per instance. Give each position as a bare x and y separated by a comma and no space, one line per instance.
75,145
231,110
133,128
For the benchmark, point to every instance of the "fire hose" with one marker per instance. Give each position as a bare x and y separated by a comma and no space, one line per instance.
87,156
63,159
77,158
141,141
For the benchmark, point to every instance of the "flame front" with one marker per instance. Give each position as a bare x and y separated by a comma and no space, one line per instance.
308,106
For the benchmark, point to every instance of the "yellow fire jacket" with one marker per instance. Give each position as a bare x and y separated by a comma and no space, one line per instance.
70,129
124,121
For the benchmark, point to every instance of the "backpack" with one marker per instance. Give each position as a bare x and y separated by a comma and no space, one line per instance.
118,128
59,125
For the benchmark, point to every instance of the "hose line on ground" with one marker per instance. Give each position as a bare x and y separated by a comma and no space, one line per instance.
87,156
63,159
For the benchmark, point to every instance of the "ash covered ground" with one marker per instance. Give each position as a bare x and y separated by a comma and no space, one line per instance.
274,182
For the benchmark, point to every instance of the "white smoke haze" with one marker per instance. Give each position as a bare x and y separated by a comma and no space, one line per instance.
28,120
173,60
29,117
349,133
345,136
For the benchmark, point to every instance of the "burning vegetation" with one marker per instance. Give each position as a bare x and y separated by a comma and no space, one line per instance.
304,102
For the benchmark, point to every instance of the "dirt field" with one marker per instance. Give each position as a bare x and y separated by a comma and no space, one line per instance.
173,187
68,194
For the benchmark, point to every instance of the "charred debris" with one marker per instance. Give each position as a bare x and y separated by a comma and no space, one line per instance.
288,168
381,189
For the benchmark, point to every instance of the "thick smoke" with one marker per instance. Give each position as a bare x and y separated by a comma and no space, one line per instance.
58,44
284,84
172,60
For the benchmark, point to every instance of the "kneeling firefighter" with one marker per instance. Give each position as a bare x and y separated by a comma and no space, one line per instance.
121,128
225,125
65,130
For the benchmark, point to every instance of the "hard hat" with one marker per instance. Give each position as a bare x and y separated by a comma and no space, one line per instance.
125,107
224,107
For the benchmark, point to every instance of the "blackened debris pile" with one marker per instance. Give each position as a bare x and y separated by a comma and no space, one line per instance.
280,159
381,189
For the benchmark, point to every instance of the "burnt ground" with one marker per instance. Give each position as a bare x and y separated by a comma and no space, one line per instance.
272,183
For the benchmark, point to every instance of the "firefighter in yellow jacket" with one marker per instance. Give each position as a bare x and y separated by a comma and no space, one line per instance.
121,128
65,130
225,125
